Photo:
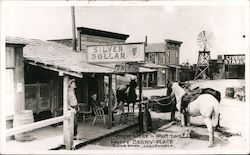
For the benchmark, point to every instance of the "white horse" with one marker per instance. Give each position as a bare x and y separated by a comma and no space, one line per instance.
205,105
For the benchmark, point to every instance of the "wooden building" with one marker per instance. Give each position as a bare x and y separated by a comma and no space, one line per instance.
230,66
45,65
165,57
14,81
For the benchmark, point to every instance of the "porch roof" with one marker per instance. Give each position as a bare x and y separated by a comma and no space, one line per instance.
173,66
57,57
142,69
152,65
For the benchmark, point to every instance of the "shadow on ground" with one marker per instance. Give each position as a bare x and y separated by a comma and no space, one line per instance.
129,134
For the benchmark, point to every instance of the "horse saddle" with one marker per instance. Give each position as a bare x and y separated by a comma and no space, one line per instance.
194,94
187,98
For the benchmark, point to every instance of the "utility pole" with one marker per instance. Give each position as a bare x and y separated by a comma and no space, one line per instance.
73,28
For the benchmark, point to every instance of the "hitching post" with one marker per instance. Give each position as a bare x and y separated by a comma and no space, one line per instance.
110,102
140,91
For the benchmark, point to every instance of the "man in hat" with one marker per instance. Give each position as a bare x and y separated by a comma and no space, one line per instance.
72,103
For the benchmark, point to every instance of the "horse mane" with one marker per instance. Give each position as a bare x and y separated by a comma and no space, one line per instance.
178,90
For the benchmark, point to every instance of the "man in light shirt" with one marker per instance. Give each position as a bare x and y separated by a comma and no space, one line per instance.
72,103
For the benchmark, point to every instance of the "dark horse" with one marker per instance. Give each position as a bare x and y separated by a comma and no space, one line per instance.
126,94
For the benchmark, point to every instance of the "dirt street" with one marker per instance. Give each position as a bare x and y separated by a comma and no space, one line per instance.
232,134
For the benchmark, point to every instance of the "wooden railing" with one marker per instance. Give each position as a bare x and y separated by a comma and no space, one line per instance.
68,127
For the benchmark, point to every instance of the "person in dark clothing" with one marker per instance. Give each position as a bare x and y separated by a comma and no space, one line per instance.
173,100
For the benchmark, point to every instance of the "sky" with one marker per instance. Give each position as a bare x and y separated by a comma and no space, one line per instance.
157,22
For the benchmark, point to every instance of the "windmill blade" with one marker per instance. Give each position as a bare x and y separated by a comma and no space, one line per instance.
204,33
210,35
205,39
209,44
200,35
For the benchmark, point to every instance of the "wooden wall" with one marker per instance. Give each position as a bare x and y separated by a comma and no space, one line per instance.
14,62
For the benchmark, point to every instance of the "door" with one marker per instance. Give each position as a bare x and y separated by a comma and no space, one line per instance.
38,97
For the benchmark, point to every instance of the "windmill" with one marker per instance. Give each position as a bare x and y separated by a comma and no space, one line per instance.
204,41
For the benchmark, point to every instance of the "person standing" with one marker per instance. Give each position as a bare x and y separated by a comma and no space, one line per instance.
72,103
173,104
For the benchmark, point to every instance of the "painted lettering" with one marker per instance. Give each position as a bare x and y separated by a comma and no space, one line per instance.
122,55
99,56
116,56
93,56
110,48
110,56
95,49
120,49
115,49
106,56
104,49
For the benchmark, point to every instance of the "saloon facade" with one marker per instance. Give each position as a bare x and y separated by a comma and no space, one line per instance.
45,64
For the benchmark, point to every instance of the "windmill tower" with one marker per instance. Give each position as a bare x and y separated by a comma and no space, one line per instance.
205,42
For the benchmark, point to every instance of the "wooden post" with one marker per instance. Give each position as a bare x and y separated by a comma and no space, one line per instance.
110,102
147,74
85,90
67,138
19,86
140,91
71,129
73,28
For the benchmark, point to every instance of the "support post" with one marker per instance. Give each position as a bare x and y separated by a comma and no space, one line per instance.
140,91
67,138
110,102
147,74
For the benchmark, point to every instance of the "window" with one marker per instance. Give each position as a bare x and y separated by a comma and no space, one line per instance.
160,59
168,56
152,57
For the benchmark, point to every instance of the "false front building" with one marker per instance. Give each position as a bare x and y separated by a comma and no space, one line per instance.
165,58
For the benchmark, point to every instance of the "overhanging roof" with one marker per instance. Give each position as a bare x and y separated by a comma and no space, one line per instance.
173,66
141,68
58,57
101,33
154,66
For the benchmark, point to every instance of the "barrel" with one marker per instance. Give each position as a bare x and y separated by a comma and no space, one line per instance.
22,118
230,92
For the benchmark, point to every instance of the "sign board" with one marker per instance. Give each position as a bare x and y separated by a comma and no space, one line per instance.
127,68
238,59
131,52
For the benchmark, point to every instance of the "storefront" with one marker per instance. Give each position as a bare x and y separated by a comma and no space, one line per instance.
228,67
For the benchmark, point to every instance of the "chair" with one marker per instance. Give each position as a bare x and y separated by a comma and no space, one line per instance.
85,110
99,113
